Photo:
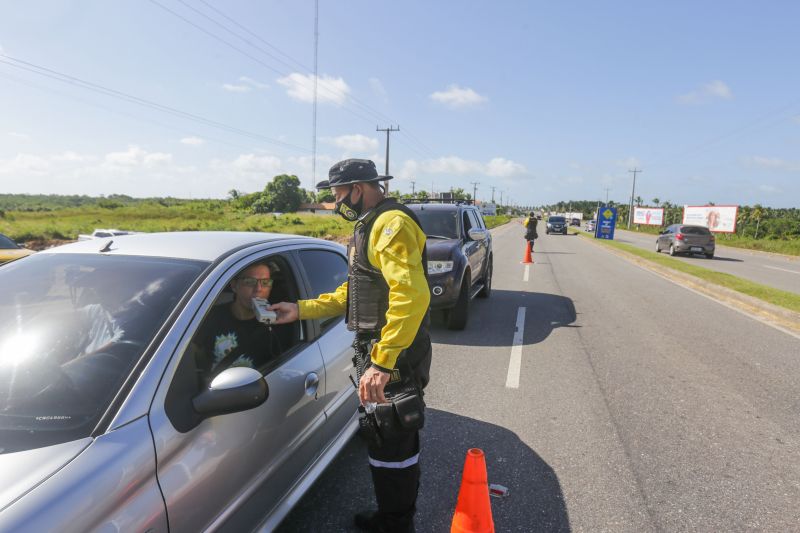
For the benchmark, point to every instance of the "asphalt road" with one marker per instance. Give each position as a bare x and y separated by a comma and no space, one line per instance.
640,406
768,269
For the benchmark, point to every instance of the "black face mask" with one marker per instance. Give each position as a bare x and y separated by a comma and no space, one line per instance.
348,210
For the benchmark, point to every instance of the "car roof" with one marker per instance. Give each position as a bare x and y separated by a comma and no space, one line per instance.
197,245
438,207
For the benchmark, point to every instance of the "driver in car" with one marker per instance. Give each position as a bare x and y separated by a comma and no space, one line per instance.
231,335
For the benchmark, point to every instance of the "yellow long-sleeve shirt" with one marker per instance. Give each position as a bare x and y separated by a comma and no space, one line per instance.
395,248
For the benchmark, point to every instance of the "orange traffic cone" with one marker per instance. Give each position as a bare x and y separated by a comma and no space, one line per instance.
528,258
473,510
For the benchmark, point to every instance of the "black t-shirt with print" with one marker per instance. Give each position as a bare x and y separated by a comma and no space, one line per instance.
225,339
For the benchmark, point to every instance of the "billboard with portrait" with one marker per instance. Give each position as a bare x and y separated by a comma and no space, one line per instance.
717,218
651,216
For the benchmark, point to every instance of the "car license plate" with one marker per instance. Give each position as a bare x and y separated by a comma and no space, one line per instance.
697,248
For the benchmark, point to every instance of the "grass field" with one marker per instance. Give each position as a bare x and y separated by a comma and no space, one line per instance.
778,297
66,224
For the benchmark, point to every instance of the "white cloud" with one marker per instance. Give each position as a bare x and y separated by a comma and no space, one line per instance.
253,83
135,157
20,136
773,163
72,157
497,167
237,88
708,91
768,188
23,165
353,143
575,180
192,141
300,87
500,167
267,165
456,97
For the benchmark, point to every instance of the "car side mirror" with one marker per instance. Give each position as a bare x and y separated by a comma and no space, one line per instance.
477,234
233,390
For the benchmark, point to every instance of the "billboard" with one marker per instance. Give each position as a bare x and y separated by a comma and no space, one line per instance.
717,218
652,216
606,222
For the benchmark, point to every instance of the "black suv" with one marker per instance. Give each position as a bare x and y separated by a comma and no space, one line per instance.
459,257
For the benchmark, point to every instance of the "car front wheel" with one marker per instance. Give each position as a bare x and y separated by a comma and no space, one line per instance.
658,248
458,315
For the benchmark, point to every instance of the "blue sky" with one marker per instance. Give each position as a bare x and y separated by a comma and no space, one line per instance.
545,101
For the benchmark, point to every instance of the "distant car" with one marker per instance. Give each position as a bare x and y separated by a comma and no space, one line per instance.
108,419
575,222
459,257
556,224
9,250
590,226
104,234
681,238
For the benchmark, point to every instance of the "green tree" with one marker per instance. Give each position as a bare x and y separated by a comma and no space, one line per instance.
284,193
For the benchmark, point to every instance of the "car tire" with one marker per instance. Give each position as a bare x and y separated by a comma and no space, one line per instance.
710,256
457,316
672,251
658,248
486,291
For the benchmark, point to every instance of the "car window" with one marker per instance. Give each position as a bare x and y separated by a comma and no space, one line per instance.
466,222
556,219
695,230
326,271
473,218
231,335
479,217
438,222
72,327
6,243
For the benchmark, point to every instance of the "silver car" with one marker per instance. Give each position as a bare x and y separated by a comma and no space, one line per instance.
684,238
107,423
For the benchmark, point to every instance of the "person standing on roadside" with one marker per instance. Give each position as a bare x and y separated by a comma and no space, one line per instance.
386,300
530,224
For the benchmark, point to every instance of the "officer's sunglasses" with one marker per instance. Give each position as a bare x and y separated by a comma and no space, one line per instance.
254,282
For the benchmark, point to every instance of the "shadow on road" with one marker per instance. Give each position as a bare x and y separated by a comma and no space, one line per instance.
534,502
489,319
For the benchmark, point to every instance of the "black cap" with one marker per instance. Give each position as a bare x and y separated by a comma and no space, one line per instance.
351,171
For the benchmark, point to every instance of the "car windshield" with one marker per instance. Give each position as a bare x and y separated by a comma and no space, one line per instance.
695,230
72,327
556,219
439,223
6,243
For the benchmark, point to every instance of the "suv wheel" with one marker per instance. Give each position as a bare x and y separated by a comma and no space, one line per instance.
458,315
658,248
487,281
672,251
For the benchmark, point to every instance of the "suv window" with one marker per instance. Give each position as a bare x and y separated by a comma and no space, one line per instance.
467,222
474,219
438,222
326,271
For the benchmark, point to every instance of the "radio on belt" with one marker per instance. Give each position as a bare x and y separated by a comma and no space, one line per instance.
263,314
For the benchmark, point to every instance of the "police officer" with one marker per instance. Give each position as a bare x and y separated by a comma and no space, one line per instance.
530,228
386,299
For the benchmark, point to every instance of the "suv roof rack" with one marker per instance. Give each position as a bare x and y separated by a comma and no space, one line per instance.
437,201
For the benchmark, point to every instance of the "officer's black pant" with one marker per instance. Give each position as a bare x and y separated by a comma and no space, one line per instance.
395,474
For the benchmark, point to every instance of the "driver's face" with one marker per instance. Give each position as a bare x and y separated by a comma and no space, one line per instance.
246,291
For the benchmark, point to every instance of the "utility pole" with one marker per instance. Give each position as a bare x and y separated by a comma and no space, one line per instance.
314,113
501,197
493,188
412,187
474,191
607,189
388,131
633,192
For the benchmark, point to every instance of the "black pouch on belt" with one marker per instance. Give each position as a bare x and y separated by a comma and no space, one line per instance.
403,413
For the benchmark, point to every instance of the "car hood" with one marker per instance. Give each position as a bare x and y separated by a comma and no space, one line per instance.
441,249
23,471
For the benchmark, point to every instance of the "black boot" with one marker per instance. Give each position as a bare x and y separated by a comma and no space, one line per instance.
368,521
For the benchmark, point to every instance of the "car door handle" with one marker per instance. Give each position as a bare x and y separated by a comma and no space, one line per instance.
312,382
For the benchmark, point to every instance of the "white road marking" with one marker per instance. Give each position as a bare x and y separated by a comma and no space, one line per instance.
515,363
784,269
527,273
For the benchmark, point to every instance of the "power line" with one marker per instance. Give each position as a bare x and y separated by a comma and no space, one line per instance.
78,82
348,98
